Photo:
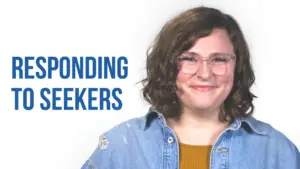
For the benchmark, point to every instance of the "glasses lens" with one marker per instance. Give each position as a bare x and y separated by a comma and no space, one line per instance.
188,63
219,64
219,69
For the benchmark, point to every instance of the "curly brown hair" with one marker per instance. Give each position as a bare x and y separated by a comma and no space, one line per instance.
177,36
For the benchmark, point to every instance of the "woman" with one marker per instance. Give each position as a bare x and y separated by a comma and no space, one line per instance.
198,84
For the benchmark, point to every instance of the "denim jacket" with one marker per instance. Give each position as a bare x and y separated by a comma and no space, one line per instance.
148,143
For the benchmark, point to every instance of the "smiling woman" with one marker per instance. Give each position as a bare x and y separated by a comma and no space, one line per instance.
198,84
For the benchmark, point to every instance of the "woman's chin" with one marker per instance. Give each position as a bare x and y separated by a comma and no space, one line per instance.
203,106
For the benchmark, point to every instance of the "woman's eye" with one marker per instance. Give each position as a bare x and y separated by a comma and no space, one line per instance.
219,59
188,58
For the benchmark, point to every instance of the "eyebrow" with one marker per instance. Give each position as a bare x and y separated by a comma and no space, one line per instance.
212,54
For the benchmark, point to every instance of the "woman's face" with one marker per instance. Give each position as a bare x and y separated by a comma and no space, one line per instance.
207,88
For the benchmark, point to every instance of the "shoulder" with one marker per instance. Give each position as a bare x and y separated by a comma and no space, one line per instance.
112,144
119,134
274,134
270,132
130,125
276,142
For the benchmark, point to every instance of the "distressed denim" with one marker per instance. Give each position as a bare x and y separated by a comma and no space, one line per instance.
148,143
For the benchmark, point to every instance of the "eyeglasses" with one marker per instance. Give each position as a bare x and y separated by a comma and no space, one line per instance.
190,62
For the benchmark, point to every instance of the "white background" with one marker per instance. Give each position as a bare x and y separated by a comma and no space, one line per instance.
64,140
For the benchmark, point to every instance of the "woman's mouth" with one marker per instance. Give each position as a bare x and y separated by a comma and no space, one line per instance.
203,88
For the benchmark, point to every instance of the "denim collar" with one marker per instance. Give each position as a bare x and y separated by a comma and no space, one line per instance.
254,124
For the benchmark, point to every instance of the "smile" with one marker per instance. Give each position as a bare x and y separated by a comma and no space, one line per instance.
203,88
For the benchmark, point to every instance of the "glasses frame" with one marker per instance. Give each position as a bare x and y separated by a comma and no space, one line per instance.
207,59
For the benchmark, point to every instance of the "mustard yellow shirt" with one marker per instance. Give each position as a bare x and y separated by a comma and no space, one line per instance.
194,156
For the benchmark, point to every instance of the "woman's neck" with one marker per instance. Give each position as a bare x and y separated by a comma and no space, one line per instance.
199,128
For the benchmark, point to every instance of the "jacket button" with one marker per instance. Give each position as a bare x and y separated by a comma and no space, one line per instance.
170,140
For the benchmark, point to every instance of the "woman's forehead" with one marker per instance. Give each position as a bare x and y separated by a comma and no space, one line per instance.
217,42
